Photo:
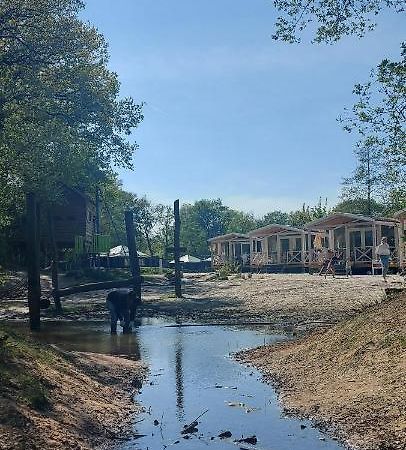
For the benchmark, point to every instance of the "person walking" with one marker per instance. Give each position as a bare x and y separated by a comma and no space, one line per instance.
383,253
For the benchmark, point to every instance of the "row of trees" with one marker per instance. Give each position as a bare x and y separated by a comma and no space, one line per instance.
204,219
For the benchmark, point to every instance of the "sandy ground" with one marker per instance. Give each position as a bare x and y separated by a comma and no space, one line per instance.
350,379
289,299
89,401
280,298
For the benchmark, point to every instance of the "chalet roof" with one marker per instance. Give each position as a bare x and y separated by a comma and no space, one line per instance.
338,219
187,259
400,214
274,228
230,237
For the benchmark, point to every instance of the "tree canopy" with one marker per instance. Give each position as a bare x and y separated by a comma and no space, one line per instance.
329,20
61,117
379,118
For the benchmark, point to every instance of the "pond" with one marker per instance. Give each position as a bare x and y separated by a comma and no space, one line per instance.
192,373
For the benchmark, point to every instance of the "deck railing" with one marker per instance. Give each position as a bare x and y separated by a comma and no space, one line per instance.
293,257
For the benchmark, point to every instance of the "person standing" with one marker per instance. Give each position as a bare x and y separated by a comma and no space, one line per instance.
383,253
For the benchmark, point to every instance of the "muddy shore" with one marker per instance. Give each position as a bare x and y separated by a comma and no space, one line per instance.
52,399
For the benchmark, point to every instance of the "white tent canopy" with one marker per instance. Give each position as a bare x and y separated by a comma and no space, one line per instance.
187,259
122,250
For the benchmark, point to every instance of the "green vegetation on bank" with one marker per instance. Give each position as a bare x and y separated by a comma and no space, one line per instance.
18,358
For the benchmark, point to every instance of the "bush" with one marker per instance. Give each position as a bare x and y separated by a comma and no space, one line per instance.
226,270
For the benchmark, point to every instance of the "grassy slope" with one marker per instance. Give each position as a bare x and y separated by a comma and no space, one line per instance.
53,400
352,376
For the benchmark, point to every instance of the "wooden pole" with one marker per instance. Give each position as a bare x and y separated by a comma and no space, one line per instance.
54,264
176,245
33,265
132,248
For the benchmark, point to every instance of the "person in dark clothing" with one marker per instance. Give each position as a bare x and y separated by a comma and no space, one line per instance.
122,304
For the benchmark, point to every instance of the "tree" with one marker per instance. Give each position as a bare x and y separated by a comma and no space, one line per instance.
278,217
60,113
379,117
164,232
240,222
367,178
145,219
361,206
201,221
332,19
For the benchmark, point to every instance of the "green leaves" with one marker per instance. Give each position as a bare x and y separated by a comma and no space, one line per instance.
379,117
61,117
329,20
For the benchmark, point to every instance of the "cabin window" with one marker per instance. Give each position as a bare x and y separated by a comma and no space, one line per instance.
298,244
368,238
245,249
284,245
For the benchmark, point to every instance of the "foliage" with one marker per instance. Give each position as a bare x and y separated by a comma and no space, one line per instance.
279,217
240,222
61,119
200,222
361,206
226,270
153,222
332,19
379,117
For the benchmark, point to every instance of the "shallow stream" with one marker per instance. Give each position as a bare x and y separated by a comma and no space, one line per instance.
192,372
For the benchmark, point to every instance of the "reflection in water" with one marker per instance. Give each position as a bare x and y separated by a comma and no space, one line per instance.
125,344
179,374
86,337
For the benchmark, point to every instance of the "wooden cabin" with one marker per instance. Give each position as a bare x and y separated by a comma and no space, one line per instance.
280,245
74,216
356,237
230,248
401,217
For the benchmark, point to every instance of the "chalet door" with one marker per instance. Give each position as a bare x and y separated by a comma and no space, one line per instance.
361,245
284,249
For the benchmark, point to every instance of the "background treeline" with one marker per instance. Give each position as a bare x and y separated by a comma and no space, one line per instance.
207,218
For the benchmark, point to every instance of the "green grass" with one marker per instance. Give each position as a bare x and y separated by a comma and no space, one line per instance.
18,358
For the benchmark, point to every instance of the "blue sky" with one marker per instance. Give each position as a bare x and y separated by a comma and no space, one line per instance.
242,117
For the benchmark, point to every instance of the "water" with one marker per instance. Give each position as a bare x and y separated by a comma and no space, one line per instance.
191,371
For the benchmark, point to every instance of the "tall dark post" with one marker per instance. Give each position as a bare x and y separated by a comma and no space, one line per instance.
54,264
132,248
33,264
97,218
176,250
